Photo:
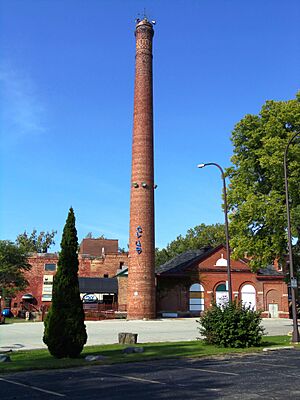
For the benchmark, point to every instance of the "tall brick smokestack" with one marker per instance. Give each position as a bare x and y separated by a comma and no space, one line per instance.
141,278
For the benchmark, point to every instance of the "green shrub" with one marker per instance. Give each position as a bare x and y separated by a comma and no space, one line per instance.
232,325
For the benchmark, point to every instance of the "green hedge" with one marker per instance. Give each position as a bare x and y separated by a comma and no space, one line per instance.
231,325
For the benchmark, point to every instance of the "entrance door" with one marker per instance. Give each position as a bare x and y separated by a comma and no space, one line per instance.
273,310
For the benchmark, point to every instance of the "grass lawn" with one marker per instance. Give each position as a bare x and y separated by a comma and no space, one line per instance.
16,320
41,359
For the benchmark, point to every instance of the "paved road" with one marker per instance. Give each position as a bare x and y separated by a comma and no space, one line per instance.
29,335
271,375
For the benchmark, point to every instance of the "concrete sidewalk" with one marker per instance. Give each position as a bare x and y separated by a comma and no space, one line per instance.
28,335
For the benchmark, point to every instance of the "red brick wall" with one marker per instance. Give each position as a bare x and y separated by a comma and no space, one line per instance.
94,247
172,295
35,277
98,266
122,292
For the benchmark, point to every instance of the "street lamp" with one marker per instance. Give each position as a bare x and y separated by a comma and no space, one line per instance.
226,226
293,281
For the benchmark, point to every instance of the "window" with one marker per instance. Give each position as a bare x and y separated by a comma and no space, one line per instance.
47,288
221,295
248,295
221,288
221,262
50,267
47,297
196,297
105,276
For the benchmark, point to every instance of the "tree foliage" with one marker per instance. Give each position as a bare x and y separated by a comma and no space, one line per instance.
90,235
13,265
65,332
256,195
36,243
195,238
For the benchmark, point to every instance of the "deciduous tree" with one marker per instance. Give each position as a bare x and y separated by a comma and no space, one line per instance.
36,243
13,265
256,195
195,238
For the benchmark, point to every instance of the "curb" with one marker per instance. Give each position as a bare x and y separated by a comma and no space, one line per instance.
279,348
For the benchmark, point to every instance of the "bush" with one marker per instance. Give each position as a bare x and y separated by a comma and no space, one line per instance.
232,325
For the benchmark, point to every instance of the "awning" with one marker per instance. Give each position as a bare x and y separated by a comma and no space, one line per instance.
98,285
27,296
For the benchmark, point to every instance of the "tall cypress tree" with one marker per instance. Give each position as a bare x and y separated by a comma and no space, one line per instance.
65,333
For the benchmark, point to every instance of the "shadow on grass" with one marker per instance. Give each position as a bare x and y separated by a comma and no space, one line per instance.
269,341
41,359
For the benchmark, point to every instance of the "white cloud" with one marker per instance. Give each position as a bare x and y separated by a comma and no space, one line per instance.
22,112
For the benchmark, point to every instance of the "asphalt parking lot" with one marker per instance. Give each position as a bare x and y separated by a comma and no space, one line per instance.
267,375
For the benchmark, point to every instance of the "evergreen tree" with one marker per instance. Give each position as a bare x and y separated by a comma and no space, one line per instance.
65,332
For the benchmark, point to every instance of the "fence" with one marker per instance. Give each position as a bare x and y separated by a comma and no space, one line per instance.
98,311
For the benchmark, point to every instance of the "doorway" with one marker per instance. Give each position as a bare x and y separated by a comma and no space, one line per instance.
273,310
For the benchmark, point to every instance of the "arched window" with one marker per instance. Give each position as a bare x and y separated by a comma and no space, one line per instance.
221,262
196,297
248,296
221,288
221,295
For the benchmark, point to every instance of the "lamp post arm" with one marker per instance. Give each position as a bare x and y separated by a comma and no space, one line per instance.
226,227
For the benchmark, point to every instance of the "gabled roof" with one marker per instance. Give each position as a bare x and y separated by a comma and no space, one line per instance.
178,264
98,285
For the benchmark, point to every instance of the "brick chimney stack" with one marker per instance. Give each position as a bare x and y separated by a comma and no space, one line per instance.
141,278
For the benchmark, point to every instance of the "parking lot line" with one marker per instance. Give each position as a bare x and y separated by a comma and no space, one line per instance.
32,387
266,364
133,378
201,369
209,370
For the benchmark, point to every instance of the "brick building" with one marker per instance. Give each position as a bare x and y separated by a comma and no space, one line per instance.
187,284
98,259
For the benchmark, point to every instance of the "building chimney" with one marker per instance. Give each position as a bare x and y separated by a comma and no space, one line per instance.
141,276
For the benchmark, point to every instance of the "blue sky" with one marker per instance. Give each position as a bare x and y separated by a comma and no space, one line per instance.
66,72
